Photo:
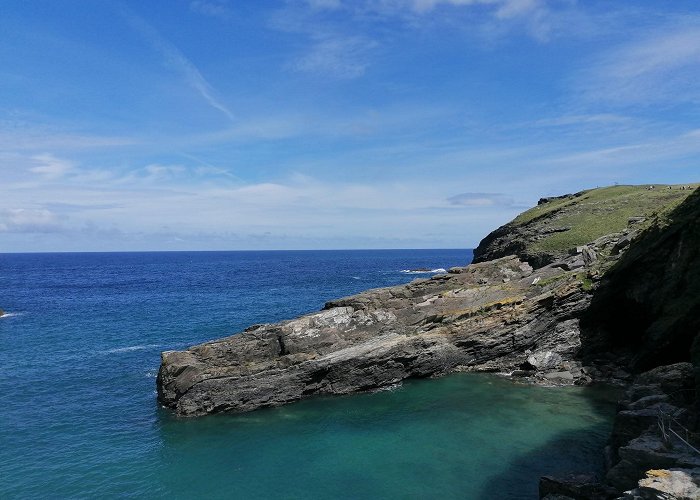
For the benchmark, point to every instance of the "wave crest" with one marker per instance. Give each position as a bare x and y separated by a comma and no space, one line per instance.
130,348
439,270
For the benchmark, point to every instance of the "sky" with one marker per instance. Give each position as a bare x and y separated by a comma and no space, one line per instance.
330,124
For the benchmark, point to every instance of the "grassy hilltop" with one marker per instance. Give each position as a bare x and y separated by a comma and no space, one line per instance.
557,225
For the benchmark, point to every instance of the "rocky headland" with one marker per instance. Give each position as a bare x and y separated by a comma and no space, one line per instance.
601,285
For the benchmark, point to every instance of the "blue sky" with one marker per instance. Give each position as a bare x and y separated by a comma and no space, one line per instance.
225,125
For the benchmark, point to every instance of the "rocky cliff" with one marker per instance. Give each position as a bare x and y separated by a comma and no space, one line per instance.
584,287
646,313
497,315
547,232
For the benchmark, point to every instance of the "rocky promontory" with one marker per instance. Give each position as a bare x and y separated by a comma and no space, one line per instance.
505,314
496,316
601,285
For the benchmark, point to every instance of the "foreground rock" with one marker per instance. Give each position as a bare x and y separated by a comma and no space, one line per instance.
496,316
644,461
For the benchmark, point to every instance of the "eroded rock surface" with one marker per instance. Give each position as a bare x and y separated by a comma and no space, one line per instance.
491,317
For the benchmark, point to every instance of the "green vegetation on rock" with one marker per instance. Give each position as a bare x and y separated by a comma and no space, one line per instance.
557,225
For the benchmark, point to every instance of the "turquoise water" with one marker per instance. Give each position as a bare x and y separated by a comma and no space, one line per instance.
79,419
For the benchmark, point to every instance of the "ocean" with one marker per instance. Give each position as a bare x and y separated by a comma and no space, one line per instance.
80,349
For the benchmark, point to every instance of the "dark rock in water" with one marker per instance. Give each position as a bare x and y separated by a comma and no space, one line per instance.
637,443
381,337
575,486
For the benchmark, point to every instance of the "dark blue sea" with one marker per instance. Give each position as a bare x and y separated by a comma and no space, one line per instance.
80,349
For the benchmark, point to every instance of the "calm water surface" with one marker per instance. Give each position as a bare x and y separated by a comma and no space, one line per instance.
80,348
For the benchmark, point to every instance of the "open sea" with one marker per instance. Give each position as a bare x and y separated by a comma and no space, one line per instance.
80,349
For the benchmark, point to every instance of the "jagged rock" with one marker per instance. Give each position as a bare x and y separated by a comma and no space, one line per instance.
669,379
544,360
575,486
623,243
648,451
572,264
589,256
381,337
680,484
552,230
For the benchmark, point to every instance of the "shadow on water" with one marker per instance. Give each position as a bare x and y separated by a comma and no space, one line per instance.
461,436
576,451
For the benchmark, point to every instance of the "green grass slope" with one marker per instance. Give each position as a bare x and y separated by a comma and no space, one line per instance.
557,225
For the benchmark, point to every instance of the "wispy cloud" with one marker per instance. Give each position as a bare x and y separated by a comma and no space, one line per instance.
650,152
339,57
325,4
480,200
51,167
214,8
540,19
585,119
177,61
661,67
18,135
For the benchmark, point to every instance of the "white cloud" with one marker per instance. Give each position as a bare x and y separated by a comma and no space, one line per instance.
663,67
51,167
22,220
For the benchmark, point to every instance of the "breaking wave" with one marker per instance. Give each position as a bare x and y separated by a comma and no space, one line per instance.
424,271
131,348
10,315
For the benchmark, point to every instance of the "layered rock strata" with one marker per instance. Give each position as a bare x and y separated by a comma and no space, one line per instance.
496,316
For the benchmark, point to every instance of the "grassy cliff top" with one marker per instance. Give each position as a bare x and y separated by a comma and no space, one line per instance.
559,224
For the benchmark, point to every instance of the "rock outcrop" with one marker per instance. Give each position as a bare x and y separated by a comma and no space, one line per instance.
547,232
500,315
496,316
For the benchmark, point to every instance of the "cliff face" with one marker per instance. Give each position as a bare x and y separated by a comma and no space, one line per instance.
498,315
649,303
550,230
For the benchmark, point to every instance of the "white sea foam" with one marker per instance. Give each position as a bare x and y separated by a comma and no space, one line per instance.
356,277
131,348
10,315
424,271
388,388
